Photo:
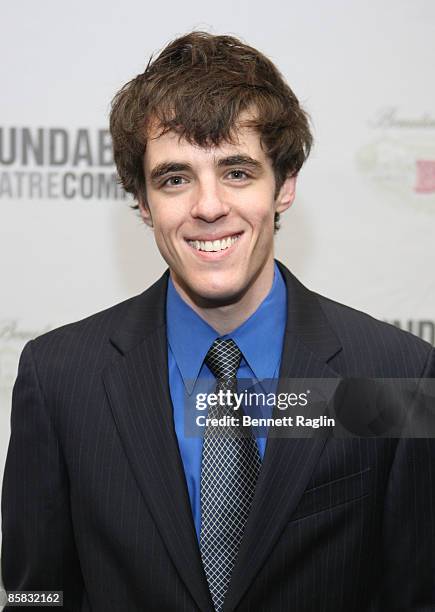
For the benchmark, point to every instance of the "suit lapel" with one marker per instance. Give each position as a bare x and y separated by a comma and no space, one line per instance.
138,390
288,463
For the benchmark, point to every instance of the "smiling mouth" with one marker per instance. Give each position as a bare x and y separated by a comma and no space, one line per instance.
211,246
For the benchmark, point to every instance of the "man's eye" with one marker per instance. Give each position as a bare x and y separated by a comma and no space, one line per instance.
239,174
174,181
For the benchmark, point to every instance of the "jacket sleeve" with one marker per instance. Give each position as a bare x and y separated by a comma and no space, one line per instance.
408,581
38,549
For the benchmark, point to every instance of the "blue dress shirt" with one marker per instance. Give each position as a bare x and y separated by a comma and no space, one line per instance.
260,339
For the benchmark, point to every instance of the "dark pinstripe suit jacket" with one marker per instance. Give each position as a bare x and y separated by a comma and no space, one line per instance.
95,501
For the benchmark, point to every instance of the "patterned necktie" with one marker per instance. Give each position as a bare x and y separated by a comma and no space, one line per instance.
229,472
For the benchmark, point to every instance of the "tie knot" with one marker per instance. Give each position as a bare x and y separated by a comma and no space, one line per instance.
223,358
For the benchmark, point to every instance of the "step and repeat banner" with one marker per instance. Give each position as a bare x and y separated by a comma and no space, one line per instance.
362,229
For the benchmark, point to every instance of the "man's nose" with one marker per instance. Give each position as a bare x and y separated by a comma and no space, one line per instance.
210,203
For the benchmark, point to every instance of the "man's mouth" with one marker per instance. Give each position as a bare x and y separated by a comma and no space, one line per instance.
214,245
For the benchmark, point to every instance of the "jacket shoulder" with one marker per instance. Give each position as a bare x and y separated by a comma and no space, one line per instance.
133,318
386,349
99,324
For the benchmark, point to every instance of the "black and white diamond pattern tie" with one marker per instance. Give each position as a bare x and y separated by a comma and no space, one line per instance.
229,472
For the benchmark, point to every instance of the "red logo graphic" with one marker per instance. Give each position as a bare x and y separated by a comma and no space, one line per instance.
425,176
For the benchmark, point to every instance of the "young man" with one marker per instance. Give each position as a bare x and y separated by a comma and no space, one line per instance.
105,497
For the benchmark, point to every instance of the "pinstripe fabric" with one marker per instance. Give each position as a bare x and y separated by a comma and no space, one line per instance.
95,501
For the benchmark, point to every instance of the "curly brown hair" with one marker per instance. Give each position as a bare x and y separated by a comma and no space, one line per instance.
198,86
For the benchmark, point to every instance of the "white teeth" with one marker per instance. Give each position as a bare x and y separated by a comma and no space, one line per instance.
213,245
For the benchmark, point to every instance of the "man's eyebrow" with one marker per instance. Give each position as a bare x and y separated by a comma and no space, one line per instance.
166,167
232,160
239,160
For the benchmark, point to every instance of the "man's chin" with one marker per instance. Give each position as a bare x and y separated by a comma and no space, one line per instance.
213,298
210,295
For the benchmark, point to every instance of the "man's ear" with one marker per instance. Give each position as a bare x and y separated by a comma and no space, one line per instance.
145,212
286,194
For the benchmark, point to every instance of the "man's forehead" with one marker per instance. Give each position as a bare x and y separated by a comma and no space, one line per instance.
244,141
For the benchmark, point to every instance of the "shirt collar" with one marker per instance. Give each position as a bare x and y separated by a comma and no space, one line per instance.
260,338
190,337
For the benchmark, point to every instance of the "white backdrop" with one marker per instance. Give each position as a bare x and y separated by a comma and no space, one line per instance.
70,245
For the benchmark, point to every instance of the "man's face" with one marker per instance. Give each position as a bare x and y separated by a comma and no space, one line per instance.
213,210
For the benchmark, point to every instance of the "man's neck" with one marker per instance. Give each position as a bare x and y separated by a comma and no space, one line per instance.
225,318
